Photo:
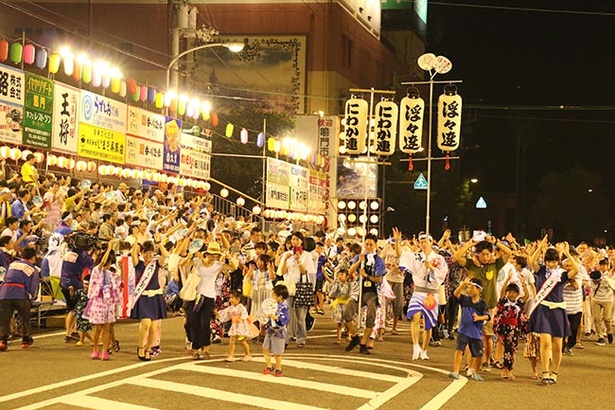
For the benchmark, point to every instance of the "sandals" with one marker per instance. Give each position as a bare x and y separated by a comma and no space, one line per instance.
338,342
545,380
145,357
498,365
553,378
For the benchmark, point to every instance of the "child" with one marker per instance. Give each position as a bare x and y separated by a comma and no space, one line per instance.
532,352
339,291
474,313
83,325
275,337
240,328
509,322
104,294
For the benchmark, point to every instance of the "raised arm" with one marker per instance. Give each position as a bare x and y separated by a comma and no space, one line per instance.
533,261
459,256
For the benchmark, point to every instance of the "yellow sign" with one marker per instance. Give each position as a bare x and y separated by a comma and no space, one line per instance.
101,143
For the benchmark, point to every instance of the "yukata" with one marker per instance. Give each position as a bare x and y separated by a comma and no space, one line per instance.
223,295
83,325
425,298
510,322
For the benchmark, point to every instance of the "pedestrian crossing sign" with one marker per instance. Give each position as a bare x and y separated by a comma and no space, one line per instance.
481,203
421,182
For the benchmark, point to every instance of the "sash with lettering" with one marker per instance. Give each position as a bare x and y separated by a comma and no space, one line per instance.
552,280
148,273
128,278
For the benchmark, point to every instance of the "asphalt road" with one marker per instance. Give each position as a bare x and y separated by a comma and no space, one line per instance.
57,375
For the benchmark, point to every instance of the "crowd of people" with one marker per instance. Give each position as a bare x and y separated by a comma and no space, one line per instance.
144,253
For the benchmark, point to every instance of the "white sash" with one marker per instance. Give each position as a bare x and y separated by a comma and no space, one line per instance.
546,289
148,273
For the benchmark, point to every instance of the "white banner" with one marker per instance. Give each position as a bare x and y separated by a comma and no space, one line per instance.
12,85
11,123
143,153
195,158
102,112
65,111
145,124
277,196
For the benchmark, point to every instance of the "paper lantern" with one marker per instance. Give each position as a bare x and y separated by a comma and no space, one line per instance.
169,96
320,219
102,169
271,144
164,178
77,71
4,50
126,173
373,219
352,231
159,101
362,205
41,58
412,111
5,152
190,110
205,109
91,166
96,78
62,162
143,93
260,140
86,73
224,192
256,210
363,219
243,135
229,130
241,201
16,53
352,218
54,63
69,65
52,160
352,205
135,96
277,145
116,85
214,119
81,166
356,125
140,174
449,120
173,105
123,88
132,86
15,154
29,53
151,95
106,80
25,153
181,106
341,205
374,231
385,127
207,186
71,164
374,205
135,173
39,157
157,177
117,171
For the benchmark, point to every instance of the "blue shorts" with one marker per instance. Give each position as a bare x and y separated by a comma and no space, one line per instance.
476,345
274,344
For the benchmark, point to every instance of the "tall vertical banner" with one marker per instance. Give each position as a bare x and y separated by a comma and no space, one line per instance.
65,117
11,104
385,128
102,128
318,192
355,116
412,111
277,191
38,111
172,144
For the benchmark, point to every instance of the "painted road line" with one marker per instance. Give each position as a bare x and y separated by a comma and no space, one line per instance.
388,394
340,370
97,403
223,395
287,381
445,395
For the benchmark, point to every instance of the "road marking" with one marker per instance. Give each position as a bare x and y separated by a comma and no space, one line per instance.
98,403
445,395
288,381
221,395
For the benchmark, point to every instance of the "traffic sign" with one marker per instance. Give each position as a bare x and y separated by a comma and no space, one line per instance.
421,182
481,204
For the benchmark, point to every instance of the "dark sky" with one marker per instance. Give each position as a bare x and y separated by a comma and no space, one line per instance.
518,67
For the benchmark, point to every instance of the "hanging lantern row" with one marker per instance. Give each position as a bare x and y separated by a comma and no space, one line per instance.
352,231
293,216
15,154
294,149
150,175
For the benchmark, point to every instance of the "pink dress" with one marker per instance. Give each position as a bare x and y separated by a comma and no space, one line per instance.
104,294
239,322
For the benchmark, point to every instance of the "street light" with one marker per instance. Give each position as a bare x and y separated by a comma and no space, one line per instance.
233,47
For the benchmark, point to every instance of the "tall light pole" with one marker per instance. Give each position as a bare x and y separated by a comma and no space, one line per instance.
234,47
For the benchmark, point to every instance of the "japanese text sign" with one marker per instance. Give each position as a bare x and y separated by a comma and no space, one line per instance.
411,124
449,122
38,111
102,112
65,112
356,125
101,143
385,127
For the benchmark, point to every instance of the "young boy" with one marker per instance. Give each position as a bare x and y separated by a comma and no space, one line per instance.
275,337
474,313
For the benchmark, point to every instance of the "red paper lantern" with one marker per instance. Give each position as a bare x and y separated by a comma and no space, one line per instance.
132,86
4,50
214,119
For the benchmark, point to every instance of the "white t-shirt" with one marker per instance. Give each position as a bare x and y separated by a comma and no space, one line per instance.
207,285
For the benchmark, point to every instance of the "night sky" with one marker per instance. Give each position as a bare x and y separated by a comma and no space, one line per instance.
537,78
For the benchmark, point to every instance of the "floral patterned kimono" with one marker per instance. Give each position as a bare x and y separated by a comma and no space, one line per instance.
510,322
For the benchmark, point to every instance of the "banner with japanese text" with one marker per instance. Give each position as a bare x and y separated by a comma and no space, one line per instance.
144,153
195,157
11,104
102,112
299,188
318,192
100,143
172,144
65,115
276,189
38,111
145,124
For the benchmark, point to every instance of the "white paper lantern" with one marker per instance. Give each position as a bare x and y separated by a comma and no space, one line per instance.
385,128
352,218
341,217
373,219
352,205
256,210
206,186
224,192
341,205
355,114
374,205
411,115
374,231
362,205
362,219
352,231
241,201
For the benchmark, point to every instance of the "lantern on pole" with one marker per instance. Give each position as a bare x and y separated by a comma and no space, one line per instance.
449,121
412,109
356,125
385,127
29,53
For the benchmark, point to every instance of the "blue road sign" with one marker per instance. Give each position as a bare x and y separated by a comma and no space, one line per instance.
421,182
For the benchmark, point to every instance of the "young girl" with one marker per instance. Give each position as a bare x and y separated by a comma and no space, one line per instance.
83,325
275,337
104,294
509,322
240,328
339,291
